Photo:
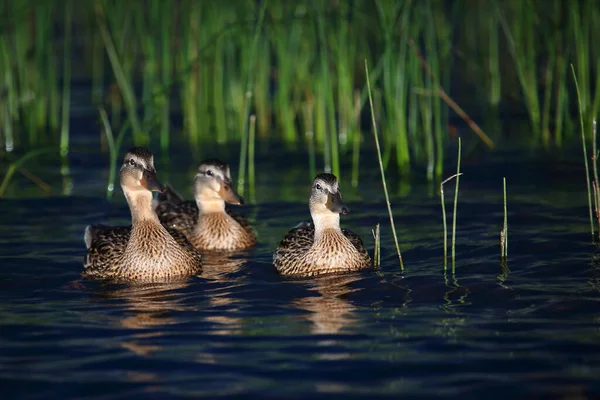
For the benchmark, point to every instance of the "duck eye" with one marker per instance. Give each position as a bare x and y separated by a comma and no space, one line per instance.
209,172
132,162
318,186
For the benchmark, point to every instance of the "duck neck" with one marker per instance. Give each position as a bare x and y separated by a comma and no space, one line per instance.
326,223
140,204
210,206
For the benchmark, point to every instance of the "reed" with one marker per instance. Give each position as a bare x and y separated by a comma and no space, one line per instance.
114,147
454,213
17,164
521,42
66,89
504,233
125,86
243,151
444,222
197,60
387,197
252,159
247,103
585,156
377,246
596,181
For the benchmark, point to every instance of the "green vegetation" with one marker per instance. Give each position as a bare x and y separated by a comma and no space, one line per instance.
193,72
381,169
504,232
444,223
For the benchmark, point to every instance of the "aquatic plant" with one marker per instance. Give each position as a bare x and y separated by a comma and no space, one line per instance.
385,191
191,64
377,246
504,232
585,155
454,213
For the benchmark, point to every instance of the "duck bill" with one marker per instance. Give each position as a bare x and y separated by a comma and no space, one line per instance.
229,195
150,182
336,204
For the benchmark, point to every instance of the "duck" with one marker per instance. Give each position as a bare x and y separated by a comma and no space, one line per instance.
145,250
321,247
208,221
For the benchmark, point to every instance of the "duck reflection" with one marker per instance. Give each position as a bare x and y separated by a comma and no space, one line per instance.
224,267
145,306
329,312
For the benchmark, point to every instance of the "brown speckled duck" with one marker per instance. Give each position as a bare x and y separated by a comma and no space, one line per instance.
321,247
207,222
146,250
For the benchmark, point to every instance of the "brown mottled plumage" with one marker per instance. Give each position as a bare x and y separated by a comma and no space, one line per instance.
146,250
207,222
321,247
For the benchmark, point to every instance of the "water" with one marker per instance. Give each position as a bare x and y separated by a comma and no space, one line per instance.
240,329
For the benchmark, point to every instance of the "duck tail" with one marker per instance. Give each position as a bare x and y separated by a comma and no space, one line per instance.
88,236
169,196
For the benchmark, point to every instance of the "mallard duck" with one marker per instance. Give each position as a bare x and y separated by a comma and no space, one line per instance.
207,222
321,247
146,250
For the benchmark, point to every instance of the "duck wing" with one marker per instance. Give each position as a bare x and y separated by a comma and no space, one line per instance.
243,221
295,243
358,244
105,245
181,216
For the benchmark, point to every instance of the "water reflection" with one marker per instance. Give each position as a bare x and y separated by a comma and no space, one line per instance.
219,266
329,311
224,267
145,306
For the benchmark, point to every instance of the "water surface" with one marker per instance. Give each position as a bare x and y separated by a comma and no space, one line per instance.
240,329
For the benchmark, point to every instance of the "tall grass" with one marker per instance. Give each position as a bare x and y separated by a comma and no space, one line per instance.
504,233
585,154
191,63
387,197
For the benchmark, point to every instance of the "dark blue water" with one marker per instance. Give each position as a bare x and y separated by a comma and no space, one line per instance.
241,330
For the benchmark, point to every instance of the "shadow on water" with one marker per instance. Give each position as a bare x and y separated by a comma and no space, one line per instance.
530,331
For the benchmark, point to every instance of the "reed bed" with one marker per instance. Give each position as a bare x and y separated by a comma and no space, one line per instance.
180,72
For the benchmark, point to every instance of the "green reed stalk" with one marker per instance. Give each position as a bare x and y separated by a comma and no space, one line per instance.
66,89
249,86
262,95
113,150
356,140
596,181
19,162
493,62
286,43
521,44
251,159
97,69
440,46
377,247
504,239
455,206
561,105
310,137
387,197
140,139
219,94
585,156
395,79
9,98
343,51
328,110
166,71
243,152
444,223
